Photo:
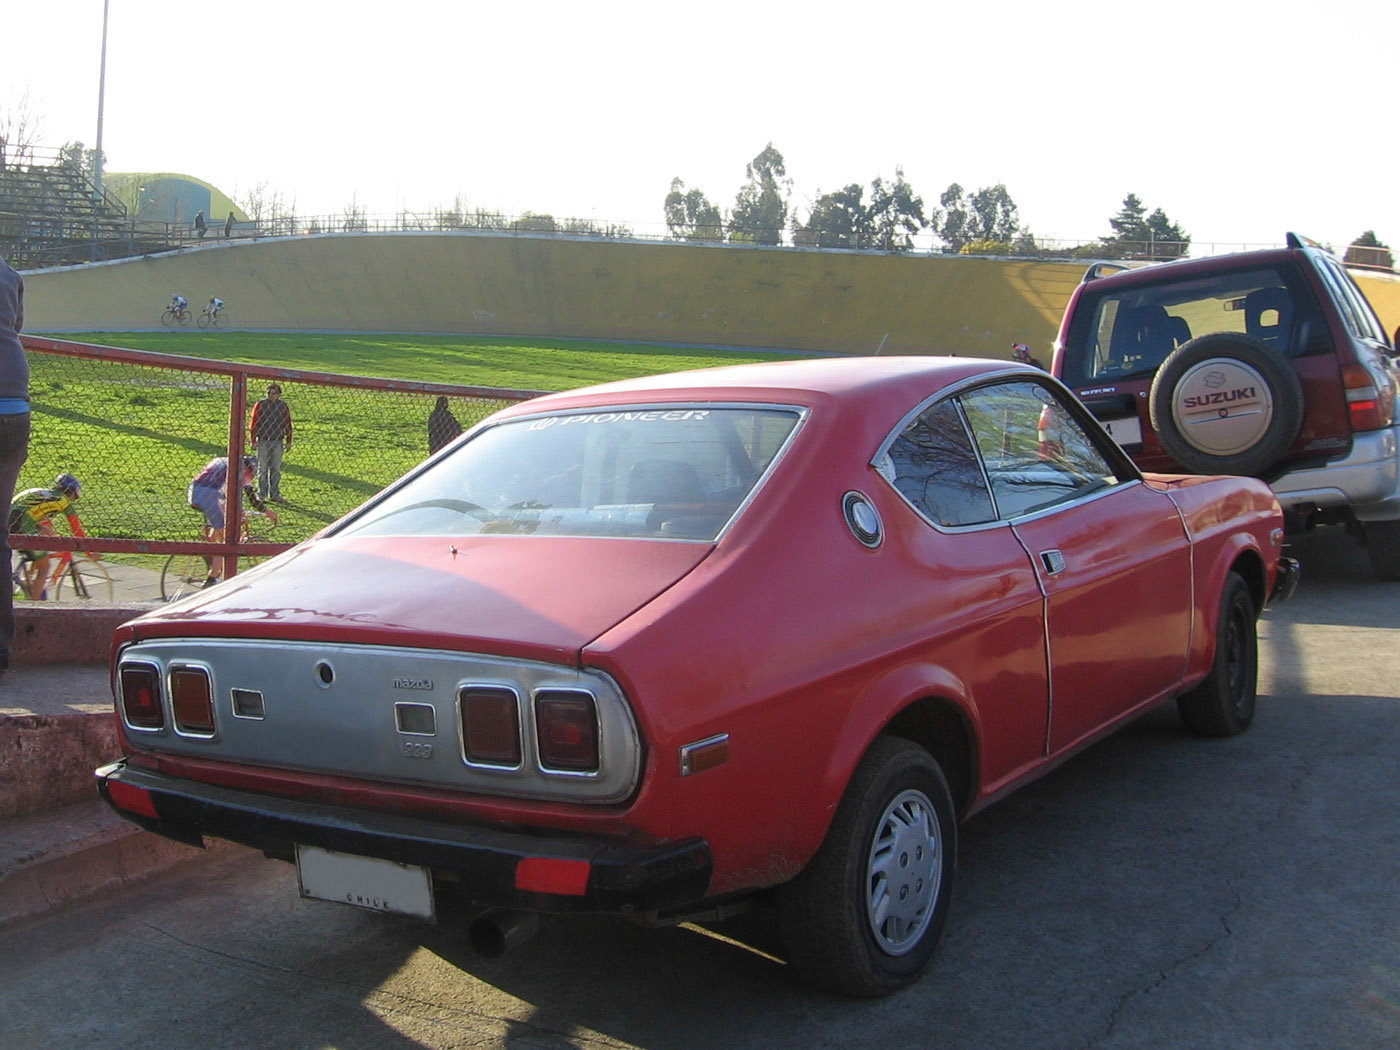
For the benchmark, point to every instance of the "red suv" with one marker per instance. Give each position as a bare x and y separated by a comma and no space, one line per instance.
1267,363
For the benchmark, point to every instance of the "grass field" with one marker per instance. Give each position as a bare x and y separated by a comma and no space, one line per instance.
136,436
519,364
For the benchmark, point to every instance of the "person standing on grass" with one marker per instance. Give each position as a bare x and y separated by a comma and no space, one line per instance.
443,427
270,431
14,426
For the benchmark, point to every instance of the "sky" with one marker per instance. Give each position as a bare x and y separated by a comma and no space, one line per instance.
1239,119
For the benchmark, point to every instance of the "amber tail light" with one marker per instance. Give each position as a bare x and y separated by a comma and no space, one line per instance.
490,726
140,688
1370,407
192,700
566,724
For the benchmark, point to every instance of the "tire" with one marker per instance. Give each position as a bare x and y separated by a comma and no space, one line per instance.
182,575
1383,548
203,321
1226,404
864,917
1223,704
86,580
168,317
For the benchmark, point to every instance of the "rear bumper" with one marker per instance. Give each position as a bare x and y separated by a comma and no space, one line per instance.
495,867
1367,480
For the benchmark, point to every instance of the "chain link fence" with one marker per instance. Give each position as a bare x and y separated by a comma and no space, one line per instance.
135,427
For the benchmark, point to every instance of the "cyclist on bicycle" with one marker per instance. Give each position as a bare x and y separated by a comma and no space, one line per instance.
31,514
215,305
206,493
178,302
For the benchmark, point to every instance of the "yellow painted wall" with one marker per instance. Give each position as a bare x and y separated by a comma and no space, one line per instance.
554,287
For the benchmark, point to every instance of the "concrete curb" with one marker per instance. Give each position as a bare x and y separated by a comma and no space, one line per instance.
67,855
60,843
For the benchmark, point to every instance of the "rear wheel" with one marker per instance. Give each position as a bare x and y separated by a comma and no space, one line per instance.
1383,548
183,575
1223,704
864,917
85,580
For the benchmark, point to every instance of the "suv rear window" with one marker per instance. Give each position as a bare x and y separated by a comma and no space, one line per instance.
1128,331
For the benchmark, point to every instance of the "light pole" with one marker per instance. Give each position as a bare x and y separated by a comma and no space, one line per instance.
97,153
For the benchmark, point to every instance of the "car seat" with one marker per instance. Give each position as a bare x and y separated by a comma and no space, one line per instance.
1268,316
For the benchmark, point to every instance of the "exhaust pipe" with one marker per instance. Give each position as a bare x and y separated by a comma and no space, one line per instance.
494,932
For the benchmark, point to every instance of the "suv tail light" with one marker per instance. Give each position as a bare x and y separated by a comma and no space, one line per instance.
140,689
1370,404
567,725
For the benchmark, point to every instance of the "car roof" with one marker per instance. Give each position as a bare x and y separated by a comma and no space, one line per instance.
802,381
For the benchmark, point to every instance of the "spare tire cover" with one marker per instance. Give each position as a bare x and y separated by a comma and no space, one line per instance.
1226,404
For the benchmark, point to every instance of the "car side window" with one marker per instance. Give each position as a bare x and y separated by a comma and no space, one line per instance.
932,464
1351,303
1036,452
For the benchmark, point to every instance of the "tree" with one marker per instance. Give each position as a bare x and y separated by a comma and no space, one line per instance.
896,213
993,214
1136,234
1368,250
953,225
690,216
987,217
837,220
842,219
20,129
1129,224
761,207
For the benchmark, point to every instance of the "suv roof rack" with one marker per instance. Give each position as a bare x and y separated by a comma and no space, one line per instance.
1103,269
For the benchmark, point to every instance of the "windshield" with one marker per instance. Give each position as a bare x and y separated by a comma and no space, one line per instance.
672,472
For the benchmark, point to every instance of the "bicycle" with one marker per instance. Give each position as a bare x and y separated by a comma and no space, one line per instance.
84,577
183,574
210,318
172,315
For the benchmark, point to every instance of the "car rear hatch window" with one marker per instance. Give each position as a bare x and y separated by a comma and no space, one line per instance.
664,472
1126,331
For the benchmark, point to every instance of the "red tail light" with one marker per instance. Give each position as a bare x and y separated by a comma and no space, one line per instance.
1371,407
192,700
490,726
140,689
567,726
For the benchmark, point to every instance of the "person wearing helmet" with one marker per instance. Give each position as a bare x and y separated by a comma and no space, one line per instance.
31,513
207,494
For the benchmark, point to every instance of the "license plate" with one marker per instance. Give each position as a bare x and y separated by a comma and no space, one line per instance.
1125,431
365,882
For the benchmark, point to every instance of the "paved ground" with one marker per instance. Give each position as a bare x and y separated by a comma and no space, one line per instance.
1157,891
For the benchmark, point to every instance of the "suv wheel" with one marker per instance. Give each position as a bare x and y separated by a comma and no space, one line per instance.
1226,404
1383,547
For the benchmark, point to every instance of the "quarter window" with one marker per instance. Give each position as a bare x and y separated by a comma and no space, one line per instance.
932,464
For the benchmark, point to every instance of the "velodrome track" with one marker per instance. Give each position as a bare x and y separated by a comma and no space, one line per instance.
583,288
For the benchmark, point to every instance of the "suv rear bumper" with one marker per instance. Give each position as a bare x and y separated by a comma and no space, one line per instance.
1367,480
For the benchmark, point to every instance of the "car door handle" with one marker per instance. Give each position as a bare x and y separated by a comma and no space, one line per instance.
1053,561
